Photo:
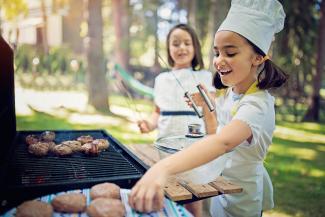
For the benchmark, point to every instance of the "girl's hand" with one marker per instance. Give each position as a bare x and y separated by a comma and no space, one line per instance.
144,126
148,195
198,99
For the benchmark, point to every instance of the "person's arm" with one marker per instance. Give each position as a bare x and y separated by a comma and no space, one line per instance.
147,194
147,126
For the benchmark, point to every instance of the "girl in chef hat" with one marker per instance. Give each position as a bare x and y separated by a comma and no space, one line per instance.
244,120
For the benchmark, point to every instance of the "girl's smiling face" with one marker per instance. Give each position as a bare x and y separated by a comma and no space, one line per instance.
181,49
235,60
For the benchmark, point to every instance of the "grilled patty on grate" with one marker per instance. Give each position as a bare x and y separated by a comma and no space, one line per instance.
102,143
39,148
73,144
90,149
85,139
32,139
62,150
48,136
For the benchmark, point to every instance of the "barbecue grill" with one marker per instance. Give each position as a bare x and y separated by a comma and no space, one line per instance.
24,176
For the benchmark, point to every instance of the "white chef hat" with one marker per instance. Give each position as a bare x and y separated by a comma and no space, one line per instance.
256,20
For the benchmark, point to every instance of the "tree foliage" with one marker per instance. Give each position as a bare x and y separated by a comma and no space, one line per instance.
295,49
13,9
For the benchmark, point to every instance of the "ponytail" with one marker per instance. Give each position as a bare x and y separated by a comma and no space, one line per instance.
271,76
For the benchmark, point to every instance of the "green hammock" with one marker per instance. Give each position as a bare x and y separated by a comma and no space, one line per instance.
133,83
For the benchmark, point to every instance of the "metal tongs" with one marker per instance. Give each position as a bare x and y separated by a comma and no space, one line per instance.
188,96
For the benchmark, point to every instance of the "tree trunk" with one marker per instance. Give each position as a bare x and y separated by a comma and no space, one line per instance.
121,26
191,13
96,79
0,20
156,66
217,13
312,113
44,29
71,26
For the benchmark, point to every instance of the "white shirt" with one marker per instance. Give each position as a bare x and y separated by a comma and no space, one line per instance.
169,96
247,170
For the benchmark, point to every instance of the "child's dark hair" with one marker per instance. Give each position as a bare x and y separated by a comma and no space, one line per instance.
197,62
271,76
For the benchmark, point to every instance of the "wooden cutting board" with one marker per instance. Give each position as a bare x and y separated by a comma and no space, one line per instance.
178,190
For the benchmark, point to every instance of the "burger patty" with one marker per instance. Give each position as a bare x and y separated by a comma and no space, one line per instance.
85,139
39,148
107,190
70,202
62,150
34,208
101,143
73,144
48,136
32,139
90,149
104,207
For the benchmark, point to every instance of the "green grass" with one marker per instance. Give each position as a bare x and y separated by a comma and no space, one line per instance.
121,128
297,170
296,159
40,121
306,126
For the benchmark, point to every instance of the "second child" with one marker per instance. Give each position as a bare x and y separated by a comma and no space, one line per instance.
172,114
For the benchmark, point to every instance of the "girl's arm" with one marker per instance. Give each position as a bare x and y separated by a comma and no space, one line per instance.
146,126
147,195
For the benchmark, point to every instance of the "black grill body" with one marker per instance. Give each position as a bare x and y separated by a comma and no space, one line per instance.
24,177
29,176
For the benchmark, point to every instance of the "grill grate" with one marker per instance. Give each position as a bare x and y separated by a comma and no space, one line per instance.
42,175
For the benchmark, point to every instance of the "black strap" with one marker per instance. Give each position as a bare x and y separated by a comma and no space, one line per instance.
177,113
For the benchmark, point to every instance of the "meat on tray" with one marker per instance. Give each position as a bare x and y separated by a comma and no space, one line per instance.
34,208
70,203
105,207
105,202
107,190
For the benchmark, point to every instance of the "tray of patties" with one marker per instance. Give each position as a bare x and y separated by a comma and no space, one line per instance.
101,200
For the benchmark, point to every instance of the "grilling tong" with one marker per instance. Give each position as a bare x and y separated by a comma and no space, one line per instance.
205,98
188,96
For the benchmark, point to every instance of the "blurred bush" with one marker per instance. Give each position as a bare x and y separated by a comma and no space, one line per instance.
57,70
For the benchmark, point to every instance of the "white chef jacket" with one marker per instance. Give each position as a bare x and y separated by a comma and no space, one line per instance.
246,169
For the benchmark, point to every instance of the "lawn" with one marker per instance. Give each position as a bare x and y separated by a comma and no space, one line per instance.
296,159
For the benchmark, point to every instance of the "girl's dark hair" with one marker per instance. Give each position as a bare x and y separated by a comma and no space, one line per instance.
271,76
197,62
